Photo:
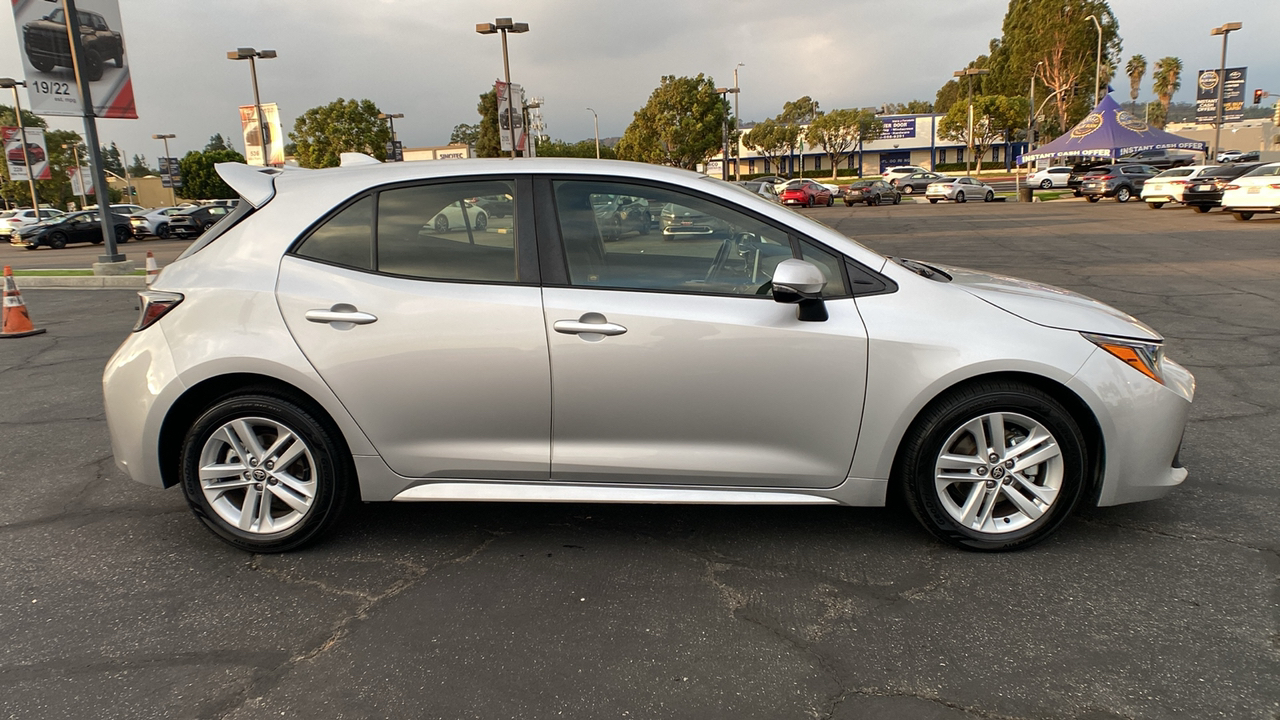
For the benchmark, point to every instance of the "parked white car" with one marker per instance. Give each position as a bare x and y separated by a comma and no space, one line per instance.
1257,191
23,218
313,349
892,174
155,223
1050,177
1168,186
450,218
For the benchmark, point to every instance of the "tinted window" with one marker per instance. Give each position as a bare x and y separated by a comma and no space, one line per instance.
1133,170
830,265
1264,170
436,232
698,246
345,238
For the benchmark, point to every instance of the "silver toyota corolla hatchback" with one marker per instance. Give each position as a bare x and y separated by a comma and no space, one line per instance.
328,341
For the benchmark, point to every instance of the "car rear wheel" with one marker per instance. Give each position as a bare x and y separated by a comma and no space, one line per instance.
908,189
933,201
1155,205
1046,184
1202,208
1122,194
994,466
57,241
897,198
482,221
265,474
873,200
1243,215
960,197
442,223
831,200
1092,198
162,231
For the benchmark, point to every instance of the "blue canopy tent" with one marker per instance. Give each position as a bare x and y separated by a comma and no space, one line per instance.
1109,132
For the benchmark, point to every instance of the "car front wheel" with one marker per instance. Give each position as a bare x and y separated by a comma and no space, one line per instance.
1202,208
265,474
994,466
1243,215
1155,205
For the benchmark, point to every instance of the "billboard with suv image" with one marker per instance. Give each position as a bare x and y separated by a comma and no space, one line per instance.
46,57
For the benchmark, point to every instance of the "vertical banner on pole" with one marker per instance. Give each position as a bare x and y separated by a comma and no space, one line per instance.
507,115
37,153
275,136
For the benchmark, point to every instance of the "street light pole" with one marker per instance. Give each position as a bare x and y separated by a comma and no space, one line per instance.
1097,70
737,119
22,131
391,125
505,25
75,152
168,163
1224,31
250,54
724,133
596,118
969,73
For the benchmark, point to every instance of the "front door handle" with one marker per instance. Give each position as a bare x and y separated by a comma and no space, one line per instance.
341,313
589,324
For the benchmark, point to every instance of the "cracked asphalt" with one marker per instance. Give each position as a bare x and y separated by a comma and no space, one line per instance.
115,602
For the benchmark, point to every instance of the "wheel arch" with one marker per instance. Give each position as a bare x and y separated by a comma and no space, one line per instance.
1095,443
199,397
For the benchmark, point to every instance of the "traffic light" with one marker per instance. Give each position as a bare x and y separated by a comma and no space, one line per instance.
1258,95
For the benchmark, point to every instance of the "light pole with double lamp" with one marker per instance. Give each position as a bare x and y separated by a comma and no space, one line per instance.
596,119
504,26
250,54
168,163
969,73
1224,31
391,125
22,131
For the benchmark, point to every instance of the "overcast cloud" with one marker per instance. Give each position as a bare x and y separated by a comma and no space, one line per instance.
424,59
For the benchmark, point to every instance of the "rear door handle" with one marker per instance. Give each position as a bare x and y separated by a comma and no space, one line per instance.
589,323
341,313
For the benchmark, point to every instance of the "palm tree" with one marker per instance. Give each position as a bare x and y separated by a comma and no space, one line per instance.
1136,68
1168,80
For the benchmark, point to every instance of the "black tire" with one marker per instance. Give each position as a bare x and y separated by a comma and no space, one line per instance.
30,246
848,202
124,233
1155,205
1077,193
897,198
57,241
40,63
960,197
873,201
92,65
1092,198
162,231
989,196
482,221
119,57
646,224
1046,184
914,469
442,223
1123,193
933,201
333,471
1243,215
1202,208
831,200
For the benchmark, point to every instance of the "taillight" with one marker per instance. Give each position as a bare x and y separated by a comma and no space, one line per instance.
154,306
1178,182
1104,177
1274,186
1231,187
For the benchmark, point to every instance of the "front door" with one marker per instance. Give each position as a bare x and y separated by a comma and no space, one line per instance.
695,375
433,340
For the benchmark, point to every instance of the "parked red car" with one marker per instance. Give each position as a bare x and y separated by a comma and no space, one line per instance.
805,192
34,151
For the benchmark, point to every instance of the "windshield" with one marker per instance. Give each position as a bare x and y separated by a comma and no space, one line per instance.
1179,172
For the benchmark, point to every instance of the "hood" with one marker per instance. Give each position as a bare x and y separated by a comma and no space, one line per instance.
1048,305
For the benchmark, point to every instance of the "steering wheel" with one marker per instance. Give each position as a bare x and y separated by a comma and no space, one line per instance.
743,245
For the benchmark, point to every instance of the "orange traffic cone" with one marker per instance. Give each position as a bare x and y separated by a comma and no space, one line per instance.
16,321
152,269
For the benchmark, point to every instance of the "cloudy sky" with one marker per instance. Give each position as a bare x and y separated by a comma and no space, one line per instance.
424,59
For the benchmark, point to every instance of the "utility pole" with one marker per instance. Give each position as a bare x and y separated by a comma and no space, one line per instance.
737,119
597,122
173,195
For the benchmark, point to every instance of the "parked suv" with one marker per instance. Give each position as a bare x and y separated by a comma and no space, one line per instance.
1118,181
1163,159
1078,171
45,42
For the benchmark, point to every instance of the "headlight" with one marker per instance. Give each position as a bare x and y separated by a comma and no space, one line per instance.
1145,357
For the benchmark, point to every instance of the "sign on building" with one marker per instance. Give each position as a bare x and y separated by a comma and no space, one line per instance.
510,115
46,57
252,141
898,128
37,153
1233,90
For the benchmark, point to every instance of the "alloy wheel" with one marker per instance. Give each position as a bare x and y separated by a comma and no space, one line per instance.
258,475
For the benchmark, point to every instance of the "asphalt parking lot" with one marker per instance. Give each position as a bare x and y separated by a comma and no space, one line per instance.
115,602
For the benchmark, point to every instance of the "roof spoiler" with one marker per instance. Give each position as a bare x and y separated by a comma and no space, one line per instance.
255,184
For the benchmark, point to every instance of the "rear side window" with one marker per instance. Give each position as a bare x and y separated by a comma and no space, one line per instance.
344,239
438,232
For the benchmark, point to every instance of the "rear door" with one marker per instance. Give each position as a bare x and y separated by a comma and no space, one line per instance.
432,339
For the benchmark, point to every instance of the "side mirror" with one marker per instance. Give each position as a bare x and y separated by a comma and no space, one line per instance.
800,282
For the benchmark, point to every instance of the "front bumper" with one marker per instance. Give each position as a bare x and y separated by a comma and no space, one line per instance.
1142,425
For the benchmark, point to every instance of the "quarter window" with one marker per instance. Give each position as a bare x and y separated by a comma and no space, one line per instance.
830,264
344,239
438,232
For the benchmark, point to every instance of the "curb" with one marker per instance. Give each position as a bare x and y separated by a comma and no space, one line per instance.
83,282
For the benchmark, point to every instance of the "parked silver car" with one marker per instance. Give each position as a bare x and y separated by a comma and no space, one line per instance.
960,189
316,346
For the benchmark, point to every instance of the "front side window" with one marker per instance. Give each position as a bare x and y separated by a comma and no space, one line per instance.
664,240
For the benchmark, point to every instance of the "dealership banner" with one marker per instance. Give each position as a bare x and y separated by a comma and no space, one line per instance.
898,128
46,57
37,153
509,114
170,173
275,138
1233,91
81,182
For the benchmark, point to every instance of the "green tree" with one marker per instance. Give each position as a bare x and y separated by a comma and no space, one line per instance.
840,131
914,107
200,181
464,134
323,133
800,112
217,142
958,88
580,149
139,167
111,160
680,126
771,139
993,117
488,142
1136,68
1168,80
